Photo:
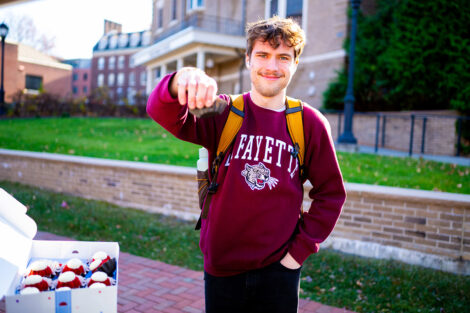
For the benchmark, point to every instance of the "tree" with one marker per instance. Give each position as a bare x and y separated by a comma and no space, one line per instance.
410,55
23,30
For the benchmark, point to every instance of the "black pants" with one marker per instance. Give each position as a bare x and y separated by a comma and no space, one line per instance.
272,289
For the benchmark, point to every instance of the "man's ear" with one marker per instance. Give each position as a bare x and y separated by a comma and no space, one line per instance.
247,61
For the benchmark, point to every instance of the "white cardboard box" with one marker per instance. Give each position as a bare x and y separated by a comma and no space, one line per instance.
17,249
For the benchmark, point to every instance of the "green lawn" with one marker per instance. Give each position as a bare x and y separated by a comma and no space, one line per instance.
329,277
144,140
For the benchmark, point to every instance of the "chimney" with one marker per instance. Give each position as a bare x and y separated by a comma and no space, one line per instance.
110,26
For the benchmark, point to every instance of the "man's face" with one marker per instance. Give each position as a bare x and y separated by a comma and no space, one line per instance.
271,69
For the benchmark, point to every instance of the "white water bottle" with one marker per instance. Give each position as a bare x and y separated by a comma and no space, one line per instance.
202,163
202,175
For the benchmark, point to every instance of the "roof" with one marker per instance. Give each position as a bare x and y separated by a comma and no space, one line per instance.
29,54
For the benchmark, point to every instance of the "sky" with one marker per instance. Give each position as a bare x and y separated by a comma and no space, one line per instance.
77,25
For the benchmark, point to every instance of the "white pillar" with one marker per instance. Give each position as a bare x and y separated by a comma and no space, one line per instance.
179,64
164,70
149,80
201,59
281,7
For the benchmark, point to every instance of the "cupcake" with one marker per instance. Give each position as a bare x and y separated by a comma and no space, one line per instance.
39,282
29,290
44,268
76,266
100,277
97,285
69,279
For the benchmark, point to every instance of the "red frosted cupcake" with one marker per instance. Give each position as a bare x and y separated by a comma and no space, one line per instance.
69,279
100,277
43,268
76,266
39,282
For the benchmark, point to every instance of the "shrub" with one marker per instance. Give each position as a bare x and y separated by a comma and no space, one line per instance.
97,104
410,55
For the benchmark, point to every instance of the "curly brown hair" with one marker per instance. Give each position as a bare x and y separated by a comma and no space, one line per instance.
274,30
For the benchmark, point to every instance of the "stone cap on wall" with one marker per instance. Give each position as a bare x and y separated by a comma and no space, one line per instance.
162,168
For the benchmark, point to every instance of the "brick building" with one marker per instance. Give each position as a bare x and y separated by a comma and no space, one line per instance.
209,34
111,64
30,70
81,77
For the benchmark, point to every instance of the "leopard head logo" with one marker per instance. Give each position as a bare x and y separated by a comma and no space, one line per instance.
257,176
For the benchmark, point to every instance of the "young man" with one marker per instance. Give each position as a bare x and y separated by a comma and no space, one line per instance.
253,239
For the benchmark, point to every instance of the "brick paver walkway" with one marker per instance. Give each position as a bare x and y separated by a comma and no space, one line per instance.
151,286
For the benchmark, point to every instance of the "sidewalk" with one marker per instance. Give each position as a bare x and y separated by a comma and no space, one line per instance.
151,286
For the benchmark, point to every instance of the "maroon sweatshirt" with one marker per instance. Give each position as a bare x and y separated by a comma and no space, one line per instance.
253,218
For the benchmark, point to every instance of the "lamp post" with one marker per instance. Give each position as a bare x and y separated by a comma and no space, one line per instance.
347,136
3,34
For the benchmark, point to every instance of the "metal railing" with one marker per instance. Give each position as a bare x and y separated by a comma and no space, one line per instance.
415,120
215,24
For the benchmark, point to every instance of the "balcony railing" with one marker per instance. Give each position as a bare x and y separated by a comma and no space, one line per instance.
208,23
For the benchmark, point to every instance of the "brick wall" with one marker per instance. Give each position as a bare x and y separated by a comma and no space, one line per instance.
432,223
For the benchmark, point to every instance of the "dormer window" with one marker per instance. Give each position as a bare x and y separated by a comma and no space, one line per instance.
113,41
135,39
103,43
123,40
146,38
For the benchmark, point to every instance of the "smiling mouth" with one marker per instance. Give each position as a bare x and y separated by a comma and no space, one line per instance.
270,76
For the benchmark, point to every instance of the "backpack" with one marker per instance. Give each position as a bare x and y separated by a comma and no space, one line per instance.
294,118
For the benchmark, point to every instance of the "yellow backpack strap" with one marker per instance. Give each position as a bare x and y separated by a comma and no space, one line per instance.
233,123
230,130
232,126
295,126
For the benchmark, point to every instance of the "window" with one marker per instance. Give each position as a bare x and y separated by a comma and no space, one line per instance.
273,10
74,90
157,72
121,61
135,39
100,80
173,10
285,8
131,95
85,89
294,10
194,4
85,76
113,41
119,92
146,38
120,79
101,63
131,79
111,63
143,78
160,18
123,40
111,79
103,43
33,82
75,77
